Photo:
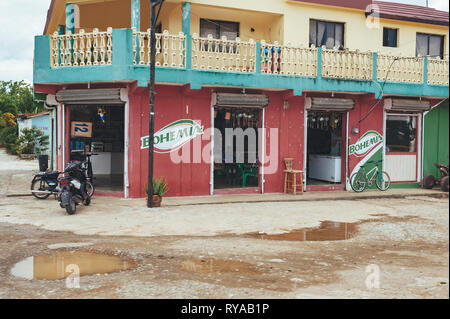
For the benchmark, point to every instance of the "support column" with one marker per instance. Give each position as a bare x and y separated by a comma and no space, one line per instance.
319,62
186,16
70,18
425,71
136,14
186,28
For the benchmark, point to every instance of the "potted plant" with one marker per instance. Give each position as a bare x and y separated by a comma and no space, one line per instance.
160,188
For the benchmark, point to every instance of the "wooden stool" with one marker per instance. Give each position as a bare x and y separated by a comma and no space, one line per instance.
290,178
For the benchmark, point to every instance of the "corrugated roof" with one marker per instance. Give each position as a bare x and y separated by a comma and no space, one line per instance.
28,115
354,4
409,12
49,15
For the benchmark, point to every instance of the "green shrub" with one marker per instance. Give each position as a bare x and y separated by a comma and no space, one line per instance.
32,141
8,138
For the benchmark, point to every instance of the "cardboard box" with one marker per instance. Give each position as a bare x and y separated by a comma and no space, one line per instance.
81,129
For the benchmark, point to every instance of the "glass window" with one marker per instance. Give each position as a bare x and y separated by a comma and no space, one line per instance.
390,37
330,34
401,134
430,45
219,29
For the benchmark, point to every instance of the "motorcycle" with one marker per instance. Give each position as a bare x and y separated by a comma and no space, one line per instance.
45,184
430,181
73,188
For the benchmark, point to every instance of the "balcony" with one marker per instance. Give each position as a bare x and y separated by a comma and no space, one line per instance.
123,55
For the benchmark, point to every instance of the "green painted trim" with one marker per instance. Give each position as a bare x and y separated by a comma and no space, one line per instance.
189,52
319,62
258,57
122,69
70,22
186,28
61,29
121,55
375,66
405,185
186,18
425,70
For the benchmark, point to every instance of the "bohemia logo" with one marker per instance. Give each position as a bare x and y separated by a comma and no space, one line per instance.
173,136
366,144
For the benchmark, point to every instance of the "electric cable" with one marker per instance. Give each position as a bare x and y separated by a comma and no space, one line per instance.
381,95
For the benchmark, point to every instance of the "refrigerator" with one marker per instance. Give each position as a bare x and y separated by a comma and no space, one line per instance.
325,168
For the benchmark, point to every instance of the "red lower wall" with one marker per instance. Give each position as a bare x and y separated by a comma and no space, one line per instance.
192,179
172,103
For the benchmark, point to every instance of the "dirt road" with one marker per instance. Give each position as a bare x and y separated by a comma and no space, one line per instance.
217,251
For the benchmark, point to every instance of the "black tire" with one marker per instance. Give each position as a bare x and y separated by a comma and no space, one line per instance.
444,184
71,208
358,182
40,185
90,189
385,183
87,201
429,181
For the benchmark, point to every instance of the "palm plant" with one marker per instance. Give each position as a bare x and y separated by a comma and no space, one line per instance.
160,187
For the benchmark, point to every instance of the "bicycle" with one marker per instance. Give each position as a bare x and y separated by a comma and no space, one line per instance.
361,180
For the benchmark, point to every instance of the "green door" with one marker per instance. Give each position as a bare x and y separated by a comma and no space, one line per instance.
436,139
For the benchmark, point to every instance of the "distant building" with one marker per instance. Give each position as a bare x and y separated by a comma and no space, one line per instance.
41,121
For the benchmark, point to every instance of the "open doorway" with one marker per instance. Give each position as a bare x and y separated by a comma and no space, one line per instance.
236,164
325,148
99,130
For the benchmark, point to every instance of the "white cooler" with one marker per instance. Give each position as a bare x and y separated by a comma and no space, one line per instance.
325,168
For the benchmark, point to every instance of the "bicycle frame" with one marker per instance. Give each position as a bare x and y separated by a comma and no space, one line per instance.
375,171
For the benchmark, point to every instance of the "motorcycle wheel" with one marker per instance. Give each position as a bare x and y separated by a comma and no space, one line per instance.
37,185
87,201
444,184
429,181
72,207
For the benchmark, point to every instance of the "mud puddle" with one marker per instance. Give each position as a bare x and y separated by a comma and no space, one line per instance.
209,266
327,231
60,265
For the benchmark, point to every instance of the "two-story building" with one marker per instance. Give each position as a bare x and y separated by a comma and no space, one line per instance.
333,85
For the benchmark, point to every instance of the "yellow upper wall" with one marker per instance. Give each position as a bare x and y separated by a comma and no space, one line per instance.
284,21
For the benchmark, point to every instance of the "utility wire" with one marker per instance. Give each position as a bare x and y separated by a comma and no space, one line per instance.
381,95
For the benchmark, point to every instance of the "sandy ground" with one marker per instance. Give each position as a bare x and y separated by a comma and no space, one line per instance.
406,239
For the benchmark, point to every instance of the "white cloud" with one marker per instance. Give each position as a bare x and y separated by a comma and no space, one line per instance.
20,20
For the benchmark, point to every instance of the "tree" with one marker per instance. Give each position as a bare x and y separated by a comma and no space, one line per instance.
16,97
32,141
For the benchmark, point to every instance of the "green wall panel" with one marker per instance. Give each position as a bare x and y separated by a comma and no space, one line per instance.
436,139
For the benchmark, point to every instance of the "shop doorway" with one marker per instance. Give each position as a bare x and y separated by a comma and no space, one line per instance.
326,135
99,130
236,164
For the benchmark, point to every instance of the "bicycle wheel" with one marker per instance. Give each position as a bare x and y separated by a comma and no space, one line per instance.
40,189
90,189
358,182
383,181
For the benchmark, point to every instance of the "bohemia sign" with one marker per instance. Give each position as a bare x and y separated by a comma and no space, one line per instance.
173,136
366,144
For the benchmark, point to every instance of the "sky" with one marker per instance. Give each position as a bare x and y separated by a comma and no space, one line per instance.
21,20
